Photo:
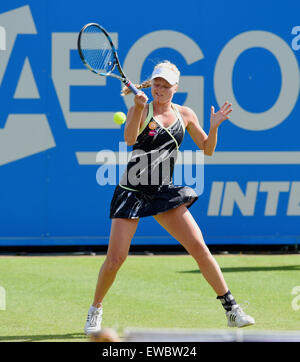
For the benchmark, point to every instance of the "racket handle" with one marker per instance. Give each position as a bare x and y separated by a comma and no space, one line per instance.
132,87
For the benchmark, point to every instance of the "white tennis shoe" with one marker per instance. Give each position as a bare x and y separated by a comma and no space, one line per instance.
238,318
93,321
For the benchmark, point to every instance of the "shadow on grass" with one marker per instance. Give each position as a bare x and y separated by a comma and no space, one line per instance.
46,337
251,269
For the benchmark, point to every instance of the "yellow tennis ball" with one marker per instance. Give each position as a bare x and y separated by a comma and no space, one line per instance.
119,117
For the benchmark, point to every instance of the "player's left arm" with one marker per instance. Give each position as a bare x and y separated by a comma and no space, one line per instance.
205,142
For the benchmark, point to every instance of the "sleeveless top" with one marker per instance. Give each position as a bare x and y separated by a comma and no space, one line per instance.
154,154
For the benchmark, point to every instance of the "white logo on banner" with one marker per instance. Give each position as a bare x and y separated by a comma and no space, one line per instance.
23,134
2,38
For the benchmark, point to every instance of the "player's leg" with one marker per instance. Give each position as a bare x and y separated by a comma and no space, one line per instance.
181,225
122,231
121,234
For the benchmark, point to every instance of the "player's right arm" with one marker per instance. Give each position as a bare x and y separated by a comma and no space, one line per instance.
135,118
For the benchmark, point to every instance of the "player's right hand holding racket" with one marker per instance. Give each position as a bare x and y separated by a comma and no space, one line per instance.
140,100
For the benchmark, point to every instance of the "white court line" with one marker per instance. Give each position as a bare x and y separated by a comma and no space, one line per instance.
219,158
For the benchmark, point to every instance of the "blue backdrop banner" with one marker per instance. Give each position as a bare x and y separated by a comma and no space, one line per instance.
61,154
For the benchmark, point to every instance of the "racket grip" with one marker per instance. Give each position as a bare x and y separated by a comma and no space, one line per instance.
132,87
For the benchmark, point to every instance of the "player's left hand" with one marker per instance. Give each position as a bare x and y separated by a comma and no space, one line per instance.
217,118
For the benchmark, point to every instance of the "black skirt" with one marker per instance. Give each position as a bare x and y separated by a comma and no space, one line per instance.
128,204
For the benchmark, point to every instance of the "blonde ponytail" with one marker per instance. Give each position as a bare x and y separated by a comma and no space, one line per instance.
144,85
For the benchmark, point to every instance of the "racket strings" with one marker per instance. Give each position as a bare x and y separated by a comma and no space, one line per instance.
97,50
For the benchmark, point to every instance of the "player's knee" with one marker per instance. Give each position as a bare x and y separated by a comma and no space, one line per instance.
113,263
201,252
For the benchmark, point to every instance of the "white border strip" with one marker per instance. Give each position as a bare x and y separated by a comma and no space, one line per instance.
219,158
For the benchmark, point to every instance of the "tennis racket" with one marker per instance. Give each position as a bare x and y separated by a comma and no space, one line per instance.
99,55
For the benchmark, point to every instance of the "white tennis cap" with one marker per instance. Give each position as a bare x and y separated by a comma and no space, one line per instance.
168,74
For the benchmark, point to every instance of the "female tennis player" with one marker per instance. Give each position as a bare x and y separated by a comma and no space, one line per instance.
156,130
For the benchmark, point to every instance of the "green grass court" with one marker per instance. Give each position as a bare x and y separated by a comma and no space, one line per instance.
47,297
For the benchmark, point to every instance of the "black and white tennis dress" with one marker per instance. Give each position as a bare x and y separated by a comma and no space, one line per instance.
146,187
